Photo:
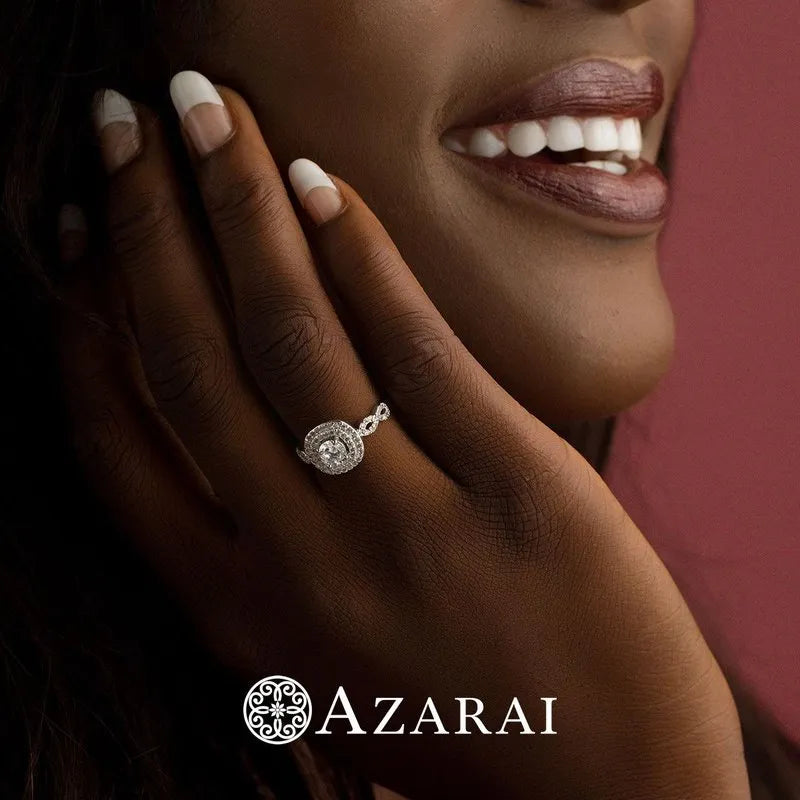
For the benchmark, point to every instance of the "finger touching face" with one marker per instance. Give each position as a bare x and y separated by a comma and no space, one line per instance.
565,307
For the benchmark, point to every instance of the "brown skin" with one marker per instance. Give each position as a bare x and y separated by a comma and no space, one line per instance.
518,566
515,573
573,323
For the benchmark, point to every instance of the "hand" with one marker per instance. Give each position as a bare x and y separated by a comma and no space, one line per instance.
471,553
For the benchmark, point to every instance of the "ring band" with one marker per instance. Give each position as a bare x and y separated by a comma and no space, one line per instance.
336,447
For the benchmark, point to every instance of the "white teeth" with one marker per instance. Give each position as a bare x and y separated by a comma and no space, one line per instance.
452,143
600,134
563,134
486,143
630,138
526,139
607,166
614,139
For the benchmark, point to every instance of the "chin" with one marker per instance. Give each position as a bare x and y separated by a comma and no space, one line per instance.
596,344
599,376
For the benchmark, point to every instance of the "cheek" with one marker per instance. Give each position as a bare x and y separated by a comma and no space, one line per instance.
357,85
351,53
668,28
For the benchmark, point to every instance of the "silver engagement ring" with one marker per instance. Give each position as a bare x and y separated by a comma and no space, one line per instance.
336,447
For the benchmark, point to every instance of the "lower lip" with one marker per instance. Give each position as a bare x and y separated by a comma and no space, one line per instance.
639,197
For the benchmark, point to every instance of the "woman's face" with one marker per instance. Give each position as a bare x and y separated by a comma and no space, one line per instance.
548,273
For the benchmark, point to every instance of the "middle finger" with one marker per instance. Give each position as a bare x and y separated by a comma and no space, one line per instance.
289,332
290,335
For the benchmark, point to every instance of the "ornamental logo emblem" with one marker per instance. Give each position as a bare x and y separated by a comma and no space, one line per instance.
277,710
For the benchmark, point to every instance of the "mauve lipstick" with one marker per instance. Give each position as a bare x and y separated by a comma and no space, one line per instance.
586,89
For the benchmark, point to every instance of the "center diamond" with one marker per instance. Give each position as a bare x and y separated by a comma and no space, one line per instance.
333,452
333,447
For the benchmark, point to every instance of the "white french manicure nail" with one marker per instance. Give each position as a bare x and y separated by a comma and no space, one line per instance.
117,128
112,106
201,110
315,190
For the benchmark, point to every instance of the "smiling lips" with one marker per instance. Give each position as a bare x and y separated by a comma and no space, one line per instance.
575,137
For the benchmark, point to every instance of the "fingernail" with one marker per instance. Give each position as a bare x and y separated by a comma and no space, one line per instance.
201,110
117,128
315,190
72,233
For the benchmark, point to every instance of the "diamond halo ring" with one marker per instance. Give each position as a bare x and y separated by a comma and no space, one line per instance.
336,447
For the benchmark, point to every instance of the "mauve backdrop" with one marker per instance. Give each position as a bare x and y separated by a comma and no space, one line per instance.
709,465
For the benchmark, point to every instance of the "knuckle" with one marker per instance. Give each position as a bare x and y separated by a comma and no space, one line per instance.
143,225
188,369
377,261
363,248
284,341
484,462
419,358
530,510
101,445
239,204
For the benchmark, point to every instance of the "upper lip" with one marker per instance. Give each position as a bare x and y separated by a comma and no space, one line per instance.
597,87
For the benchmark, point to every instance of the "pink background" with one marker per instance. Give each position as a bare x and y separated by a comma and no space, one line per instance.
709,466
